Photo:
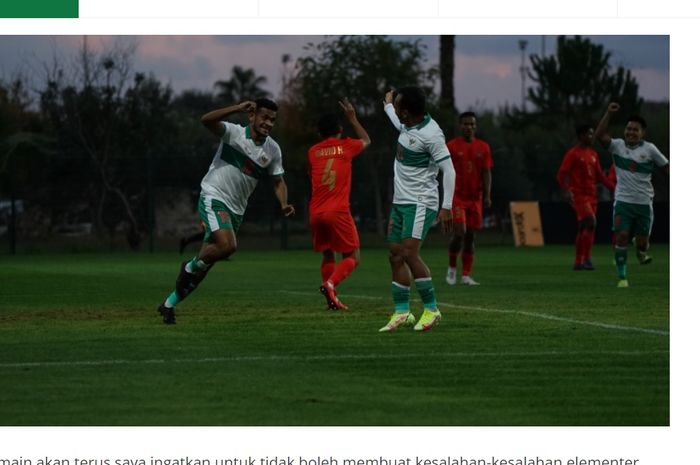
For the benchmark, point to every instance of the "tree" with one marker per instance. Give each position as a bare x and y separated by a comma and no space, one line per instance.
447,74
578,81
340,67
109,123
243,84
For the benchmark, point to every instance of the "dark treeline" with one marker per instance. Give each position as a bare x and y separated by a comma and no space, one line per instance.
93,141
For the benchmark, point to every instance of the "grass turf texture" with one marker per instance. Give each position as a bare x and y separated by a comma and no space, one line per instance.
536,344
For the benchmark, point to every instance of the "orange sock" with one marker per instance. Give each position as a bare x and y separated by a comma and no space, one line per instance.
467,263
327,268
343,270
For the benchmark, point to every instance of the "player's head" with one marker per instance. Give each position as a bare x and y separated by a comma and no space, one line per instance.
467,125
329,125
634,129
584,133
410,105
262,120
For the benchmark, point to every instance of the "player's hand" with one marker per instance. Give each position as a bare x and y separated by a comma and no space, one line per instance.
288,210
613,107
389,97
445,219
348,109
247,106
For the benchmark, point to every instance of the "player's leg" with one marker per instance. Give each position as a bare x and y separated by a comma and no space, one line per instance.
417,224
455,245
473,223
587,232
622,222
343,238
327,264
400,273
320,239
642,231
219,243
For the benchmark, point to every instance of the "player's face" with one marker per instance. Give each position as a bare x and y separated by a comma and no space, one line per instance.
586,138
467,126
262,121
633,133
400,111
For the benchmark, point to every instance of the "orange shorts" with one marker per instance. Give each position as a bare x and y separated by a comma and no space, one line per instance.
584,206
335,231
468,213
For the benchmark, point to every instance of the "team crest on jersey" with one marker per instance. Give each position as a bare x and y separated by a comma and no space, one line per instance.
411,141
264,159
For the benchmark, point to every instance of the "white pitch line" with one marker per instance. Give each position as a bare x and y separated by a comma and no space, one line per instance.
544,316
331,357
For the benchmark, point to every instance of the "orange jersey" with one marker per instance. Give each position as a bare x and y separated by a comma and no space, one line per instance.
470,159
330,169
580,171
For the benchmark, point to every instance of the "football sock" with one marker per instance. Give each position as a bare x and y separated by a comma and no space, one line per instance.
452,262
427,292
172,300
327,268
579,248
343,270
467,262
195,265
400,294
621,261
588,238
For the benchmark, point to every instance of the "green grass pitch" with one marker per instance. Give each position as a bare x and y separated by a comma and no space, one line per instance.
535,344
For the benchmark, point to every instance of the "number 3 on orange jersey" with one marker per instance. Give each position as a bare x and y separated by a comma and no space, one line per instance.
328,178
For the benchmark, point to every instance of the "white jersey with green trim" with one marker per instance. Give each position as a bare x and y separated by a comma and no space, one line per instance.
633,168
419,150
238,164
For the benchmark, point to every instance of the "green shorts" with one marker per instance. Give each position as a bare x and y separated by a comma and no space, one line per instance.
634,218
215,215
410,221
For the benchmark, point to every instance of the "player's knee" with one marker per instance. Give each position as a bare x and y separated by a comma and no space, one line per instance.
588,223
396,257
622,238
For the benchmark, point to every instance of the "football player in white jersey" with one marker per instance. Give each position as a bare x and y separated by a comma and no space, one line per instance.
245,154
421,153
635,159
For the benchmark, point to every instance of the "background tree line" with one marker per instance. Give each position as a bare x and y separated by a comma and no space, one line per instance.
97,139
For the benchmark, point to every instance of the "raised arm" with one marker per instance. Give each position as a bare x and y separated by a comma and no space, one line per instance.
350,114
212,120
601,132
389,109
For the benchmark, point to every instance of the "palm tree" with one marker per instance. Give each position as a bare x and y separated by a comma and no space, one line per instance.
243,84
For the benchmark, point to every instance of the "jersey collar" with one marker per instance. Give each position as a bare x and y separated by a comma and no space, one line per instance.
422,124
641,142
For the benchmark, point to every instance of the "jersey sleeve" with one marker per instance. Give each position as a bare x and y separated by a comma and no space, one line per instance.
276,168
231,132
437,148
393,117
488,162
354,146
657,156
616,146
563,177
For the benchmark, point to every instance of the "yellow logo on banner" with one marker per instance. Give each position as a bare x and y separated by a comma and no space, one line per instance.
527,226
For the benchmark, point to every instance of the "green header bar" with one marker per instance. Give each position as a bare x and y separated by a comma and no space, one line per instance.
38,8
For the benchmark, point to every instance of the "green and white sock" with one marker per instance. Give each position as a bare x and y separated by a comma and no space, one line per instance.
621,261
172,300
427,293
195,265
400,294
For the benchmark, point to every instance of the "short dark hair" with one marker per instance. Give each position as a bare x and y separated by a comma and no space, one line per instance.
266,103
329,125
412,100
583,128
638,119
467,114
